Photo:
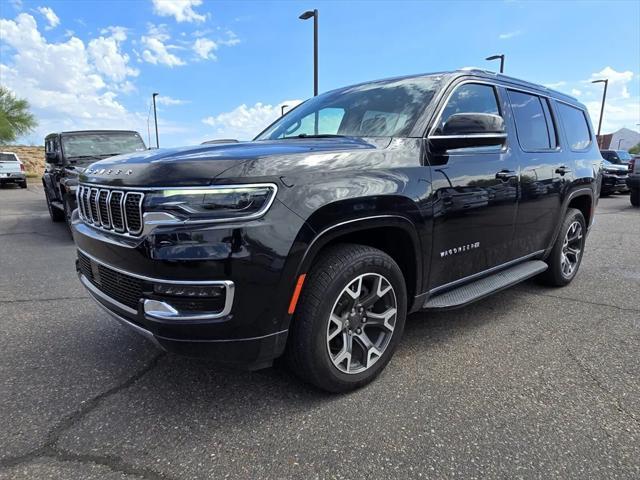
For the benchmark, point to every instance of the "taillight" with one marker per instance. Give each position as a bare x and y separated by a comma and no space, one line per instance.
22,167
632,164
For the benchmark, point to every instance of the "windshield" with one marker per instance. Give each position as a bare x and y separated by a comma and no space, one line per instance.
380,109
101,144
622,155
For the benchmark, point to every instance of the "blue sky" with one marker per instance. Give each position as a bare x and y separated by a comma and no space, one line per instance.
224,68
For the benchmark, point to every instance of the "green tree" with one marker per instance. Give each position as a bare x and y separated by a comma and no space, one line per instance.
635,150
15,117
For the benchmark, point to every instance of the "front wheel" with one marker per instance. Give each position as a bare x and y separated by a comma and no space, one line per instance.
56,214
635,197
566,255
350,318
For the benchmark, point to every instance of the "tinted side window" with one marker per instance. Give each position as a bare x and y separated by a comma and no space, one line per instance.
470,98
534,125
575,124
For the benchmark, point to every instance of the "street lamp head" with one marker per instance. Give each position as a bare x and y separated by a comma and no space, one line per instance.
156,94
600,81
307,15
494,57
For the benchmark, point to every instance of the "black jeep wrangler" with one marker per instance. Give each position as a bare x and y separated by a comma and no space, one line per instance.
357,207
67,154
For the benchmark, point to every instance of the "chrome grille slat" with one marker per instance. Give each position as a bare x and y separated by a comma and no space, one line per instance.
103,208
113,210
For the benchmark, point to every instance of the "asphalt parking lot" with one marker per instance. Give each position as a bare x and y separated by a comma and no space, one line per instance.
532,382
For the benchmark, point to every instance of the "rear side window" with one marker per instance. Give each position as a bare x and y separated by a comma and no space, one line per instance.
575,124
534,124
8,157
470,98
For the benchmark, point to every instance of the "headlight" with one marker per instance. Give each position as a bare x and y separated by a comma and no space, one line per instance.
218,203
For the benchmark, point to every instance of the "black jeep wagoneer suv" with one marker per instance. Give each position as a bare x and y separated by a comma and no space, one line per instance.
360,205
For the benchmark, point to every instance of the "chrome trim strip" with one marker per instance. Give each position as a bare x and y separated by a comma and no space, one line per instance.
97,292
157,280
483,273
167,187
471,135
108,226
160,310
96,220
126,216
126,323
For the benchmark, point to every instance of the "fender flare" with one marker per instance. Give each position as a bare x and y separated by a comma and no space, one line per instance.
578,192
345,227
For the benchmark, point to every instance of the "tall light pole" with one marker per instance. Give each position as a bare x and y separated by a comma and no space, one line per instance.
604,97
305,16
619,140
155,118
282,109
496,57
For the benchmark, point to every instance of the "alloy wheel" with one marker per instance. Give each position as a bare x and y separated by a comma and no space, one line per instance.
571,249
361,323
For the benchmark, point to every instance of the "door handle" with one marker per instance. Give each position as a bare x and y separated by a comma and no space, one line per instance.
562,170
505,175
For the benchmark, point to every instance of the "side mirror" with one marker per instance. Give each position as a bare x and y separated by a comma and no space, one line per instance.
53,157
467,130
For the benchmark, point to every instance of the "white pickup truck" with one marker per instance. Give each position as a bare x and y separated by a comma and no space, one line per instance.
12,169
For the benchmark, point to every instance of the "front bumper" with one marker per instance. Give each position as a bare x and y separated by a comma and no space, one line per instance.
247,328
614,183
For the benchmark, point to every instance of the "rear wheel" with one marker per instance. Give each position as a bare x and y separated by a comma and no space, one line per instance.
635,197
566,255
349,319
56,214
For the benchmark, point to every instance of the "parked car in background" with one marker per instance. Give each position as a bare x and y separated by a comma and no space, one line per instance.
67,154
614,178
619,157
12,170
633,180
363,204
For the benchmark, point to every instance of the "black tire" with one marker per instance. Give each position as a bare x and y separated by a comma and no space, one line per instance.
56,214
67,215
308,348
23,184
635,197
557,274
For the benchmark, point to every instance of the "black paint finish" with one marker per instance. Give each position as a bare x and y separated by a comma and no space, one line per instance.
445,215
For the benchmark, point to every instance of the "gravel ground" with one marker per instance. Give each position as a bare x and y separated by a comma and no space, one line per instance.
532,382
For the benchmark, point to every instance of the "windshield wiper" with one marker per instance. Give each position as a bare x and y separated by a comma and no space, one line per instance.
319,135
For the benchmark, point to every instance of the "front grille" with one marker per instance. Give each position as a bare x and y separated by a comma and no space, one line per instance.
119,286
111,209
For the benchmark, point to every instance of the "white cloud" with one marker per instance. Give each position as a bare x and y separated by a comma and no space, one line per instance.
508,35
166,100
245,122
108,57
77,96
181,10
618,81
156,52
231,41
51,17
556,84
575,92
621,109
204,48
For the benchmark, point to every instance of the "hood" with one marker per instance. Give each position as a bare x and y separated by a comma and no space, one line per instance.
201,165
